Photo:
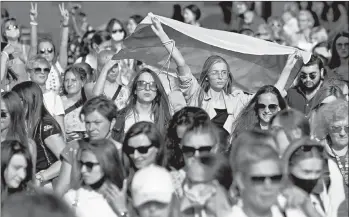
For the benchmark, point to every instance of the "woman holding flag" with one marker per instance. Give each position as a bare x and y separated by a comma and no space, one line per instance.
214,90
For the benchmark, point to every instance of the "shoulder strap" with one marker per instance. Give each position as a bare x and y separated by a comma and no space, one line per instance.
83,95
73,107
84,59
117,93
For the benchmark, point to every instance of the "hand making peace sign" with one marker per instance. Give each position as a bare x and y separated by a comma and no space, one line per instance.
64,14
33,11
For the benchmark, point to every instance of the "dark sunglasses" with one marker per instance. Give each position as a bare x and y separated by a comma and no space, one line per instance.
11,27
142,85
4,114
260,180
142,150
117,30
48,50
89,165
40,70
310,147
312,76
338,129
190,151
271,107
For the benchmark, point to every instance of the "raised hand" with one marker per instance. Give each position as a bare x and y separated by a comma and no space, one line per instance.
156,26
116,198
33,11
292,59
64,14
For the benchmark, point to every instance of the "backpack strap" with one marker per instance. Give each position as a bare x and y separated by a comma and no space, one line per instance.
116,93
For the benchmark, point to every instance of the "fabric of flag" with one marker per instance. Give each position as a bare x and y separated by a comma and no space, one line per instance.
253,62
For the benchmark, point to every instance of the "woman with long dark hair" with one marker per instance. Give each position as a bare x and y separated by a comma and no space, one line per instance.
102,173
44,130
17,170
259,111
118,33
213,91
148,102
339,63
13,126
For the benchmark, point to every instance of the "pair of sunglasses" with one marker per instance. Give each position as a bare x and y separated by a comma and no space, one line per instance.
190,151
271,107
11,27
338,129
309,148
260,180
89,165
312,76
48,50
40,70
4,114
117,30
142,85
142,149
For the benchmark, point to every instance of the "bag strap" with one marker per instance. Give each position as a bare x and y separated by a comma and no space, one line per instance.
76,105
117,93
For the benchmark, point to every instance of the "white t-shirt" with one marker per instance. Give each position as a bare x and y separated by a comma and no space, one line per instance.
88,203
53,81
53,103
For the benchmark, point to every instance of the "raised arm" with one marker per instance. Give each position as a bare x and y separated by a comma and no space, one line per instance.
98,88
175,53
291,61
63,49
34,30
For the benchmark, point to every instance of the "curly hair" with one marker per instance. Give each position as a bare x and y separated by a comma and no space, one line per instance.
329,113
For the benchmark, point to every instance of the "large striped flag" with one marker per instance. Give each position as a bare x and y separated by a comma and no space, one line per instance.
253,62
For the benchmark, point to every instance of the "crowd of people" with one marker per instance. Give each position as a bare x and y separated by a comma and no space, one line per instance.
84,135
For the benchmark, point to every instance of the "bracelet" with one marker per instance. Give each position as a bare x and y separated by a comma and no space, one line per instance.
39,177
33,23
5,53
168,42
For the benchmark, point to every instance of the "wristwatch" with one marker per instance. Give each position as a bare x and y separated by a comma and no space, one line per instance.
39,177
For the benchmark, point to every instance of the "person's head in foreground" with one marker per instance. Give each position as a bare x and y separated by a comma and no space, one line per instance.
304,162
36,205
258,187
152,193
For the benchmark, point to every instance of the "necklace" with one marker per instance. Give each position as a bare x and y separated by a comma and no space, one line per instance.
343,168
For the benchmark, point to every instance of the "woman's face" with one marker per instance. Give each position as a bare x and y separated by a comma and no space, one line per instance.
342,47
330,15
195,144
39,73
267,106
144,154
303,5
16,171
5,117
317,7
46,51
72,84
310,168
189,16
91,171
339,133
146,89
218,76
131,26
97,126
303,21
106,45
113,73
259,186
154,209
117,32
12,30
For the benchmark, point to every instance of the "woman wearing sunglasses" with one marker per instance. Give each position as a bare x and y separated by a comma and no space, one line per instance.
304,164
340,55
180,122
14,55
118,33
213,91
143,146
98,115
102,191
148,102
46,48
259,111
13,124
38,69
17,170
44,130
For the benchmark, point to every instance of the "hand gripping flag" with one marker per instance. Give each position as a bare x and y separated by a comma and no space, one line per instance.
253,62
